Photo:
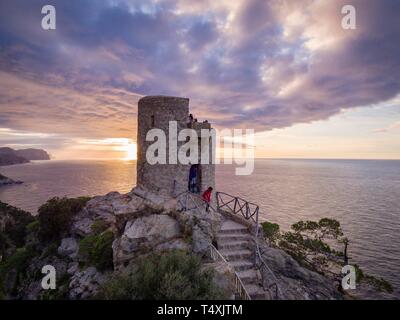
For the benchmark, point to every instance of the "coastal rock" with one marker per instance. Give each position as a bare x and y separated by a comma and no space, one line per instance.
73,268
82,225
296,282
223,277
155,200
7,181
33,291
144,232
85,284
175,244
69,247
201,241
113,210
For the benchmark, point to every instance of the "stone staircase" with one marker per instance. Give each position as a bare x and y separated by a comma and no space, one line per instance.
235,243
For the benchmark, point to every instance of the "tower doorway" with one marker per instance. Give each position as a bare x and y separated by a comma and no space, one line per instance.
195,178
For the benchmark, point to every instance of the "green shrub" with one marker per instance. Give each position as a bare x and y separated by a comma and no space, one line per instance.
379,284
50,250
34,226
175,275
16,221
55,216
97,250
271,231
99,226
18,262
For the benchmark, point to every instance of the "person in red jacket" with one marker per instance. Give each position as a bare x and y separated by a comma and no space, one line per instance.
207,197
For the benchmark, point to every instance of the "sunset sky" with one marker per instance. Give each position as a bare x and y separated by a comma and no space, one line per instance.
288,69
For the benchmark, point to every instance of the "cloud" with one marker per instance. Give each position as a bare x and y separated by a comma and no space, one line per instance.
251,64
394,127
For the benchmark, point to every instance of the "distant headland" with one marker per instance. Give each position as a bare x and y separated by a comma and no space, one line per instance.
9,156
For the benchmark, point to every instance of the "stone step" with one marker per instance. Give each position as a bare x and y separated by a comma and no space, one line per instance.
241,265
233,255
238,244
248,276
233,237
234,231
229,226
256,292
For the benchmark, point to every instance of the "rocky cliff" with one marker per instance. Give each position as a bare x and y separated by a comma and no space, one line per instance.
88,244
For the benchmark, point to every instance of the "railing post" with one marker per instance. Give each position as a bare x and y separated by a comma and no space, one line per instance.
257,223
234,206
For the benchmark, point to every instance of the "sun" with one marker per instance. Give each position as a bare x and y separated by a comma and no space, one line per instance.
131,151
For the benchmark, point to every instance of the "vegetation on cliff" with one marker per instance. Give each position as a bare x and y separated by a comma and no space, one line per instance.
96,250
13,222
175,275
55,216
314,244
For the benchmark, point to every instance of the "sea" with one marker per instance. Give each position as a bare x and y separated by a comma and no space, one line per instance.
364,195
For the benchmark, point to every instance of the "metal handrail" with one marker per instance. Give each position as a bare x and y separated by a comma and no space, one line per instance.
264,266
194,199
247,209
249,214
240,289
190,198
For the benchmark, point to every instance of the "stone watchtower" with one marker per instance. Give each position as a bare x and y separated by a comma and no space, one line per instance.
157,112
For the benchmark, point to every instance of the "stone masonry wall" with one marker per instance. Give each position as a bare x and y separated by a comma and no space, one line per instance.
157,112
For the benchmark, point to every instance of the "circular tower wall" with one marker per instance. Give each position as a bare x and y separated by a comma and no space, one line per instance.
157,112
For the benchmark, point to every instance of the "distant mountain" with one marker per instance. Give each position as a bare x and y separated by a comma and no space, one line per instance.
10,156
33,154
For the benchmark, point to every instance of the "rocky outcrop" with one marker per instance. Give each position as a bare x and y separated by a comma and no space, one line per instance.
7,181
297,282
113,210
69,248
144,234
85,284
223,277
